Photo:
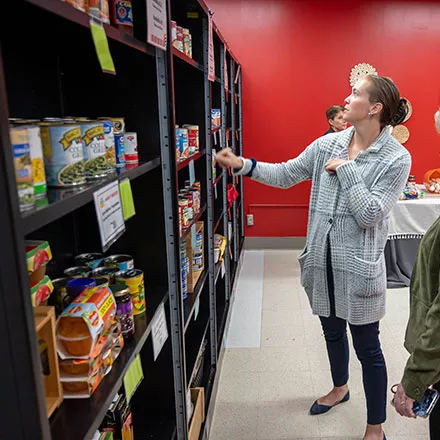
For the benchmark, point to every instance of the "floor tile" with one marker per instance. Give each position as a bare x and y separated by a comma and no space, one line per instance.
292,358
285,386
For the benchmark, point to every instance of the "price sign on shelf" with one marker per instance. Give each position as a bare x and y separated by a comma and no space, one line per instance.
109,214
157,23
133,377
159,330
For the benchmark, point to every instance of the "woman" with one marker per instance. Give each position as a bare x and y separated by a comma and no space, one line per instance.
422,339
357,176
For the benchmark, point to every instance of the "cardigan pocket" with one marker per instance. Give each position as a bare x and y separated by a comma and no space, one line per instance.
306,264
367,278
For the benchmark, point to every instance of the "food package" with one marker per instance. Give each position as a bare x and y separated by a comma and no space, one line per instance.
38,254
41,291
100,10
78,4
81,377
431,181
81,324
118,419
220,244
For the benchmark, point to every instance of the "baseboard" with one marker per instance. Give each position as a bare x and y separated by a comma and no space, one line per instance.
274,243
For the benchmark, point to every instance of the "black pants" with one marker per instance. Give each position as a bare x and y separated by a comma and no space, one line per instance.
368,350
434,419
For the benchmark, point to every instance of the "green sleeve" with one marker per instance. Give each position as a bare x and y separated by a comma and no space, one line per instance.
423,367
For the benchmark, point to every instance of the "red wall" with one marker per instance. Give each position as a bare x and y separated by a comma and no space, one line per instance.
296,59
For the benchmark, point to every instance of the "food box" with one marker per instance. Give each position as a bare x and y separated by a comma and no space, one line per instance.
41,291
81,324
38,253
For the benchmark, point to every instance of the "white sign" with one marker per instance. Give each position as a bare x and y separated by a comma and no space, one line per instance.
211,60
109,214
157,23
196,308
159,330
223,268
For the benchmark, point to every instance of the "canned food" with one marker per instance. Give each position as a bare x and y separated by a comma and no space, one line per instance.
120,149
100,10
179,40
63,154
186,42
189,198
77,272
78,4
109,137
122,262
173,33
198,261
91,260
183,205
124,309
177,145
106,272
131,147
193,138
101,281
122,15
36,147
95,156
118,124
23,168
183,136
134,280
59,297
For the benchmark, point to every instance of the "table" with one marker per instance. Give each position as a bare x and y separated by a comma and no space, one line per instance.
409,221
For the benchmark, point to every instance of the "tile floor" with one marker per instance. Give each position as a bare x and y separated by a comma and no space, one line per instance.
275,363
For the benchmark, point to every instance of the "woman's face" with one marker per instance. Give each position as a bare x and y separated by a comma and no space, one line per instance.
358,105
437,120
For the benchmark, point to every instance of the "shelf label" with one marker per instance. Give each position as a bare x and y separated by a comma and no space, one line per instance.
127,199
159,330
225,67
133,377
109,214
211,59
101,46
193,235
157,23
196,308
223,268
192,173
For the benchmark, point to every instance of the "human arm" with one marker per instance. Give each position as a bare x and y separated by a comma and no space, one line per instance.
370,206
281,175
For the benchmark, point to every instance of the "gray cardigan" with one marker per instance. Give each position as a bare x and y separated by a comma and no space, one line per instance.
350,208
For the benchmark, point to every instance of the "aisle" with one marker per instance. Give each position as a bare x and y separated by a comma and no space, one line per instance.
275,365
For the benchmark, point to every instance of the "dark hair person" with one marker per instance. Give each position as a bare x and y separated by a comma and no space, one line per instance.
357,176
335,119
422,339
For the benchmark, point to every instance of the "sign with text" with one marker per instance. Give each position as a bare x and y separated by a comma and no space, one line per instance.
159,330
211,60
109,214
157,23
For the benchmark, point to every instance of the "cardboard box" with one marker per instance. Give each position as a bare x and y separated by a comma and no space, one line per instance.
198,399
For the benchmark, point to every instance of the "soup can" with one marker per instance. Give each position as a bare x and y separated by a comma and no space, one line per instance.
63,154
60,298
134,280
101,281
36,148
91,260
109,138
124,309
77,272
122,262
106,272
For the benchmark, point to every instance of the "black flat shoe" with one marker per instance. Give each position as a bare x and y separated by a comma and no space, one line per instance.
317,409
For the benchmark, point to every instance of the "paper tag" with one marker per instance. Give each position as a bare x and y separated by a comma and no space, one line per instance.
215,192
225,66
215,138
211,60
196,308
127,199
101,45
157,23
223,270
109,214
193,235
192,173
237,74
189,405
159,330
133,377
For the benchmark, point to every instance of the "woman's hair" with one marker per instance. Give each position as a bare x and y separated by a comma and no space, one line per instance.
384,90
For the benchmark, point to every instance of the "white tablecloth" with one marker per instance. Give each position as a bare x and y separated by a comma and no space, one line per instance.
412,218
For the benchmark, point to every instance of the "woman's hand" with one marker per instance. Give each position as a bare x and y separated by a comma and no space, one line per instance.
227,159
403,403
332,164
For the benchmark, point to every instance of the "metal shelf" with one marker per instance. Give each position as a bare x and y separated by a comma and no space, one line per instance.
68,12
186,162
63,201
178,54
217,180
186,231
79,419
190,302
193,373
217,223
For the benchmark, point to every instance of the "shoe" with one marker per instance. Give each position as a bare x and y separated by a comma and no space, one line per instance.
317,409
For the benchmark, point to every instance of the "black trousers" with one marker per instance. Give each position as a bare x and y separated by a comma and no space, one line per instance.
434,419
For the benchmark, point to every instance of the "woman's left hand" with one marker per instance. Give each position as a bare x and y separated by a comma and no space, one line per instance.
332,164
403,403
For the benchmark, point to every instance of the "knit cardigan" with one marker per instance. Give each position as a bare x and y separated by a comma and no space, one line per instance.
350,210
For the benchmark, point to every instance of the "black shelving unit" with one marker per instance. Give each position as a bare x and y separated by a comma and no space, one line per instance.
58,75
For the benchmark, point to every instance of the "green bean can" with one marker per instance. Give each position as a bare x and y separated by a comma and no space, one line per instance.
95,153
23,168
63,154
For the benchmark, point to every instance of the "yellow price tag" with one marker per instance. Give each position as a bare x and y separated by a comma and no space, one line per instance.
101,45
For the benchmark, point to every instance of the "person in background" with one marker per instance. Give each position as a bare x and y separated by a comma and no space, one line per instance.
357,177
335,118
422,339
